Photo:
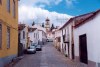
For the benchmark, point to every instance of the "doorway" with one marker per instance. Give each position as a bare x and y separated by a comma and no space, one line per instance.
83,49
73,56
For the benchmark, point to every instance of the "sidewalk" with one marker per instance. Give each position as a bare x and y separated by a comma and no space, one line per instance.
14,61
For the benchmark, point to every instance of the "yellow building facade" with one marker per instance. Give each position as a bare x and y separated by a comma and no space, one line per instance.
8,30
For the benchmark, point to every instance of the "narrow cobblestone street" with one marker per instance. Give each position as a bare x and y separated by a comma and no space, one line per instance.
48,57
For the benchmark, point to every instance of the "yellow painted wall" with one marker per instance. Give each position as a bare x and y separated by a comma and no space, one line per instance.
7,19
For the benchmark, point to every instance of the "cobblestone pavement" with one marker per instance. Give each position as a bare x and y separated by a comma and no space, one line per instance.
48,57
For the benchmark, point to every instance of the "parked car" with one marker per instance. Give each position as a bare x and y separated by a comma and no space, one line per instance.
34,44
31,50
49,40
38,47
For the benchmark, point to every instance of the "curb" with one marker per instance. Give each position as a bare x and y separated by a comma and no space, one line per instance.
14,61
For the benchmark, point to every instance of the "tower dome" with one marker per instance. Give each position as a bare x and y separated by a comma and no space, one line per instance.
47,19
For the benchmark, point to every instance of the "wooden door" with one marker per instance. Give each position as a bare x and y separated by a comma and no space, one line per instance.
73,51
83,49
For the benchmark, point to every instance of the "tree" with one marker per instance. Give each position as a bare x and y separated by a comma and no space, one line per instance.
42,24
52,27
33,23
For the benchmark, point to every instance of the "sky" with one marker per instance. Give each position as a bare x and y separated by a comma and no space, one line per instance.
58,11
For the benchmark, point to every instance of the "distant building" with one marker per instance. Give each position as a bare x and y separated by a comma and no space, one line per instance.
57,39
33,35
47,25
23,34
42,37
41,32
8,31
67,44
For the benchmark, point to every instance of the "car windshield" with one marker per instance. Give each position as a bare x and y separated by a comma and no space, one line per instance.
32,47
38,45
34,44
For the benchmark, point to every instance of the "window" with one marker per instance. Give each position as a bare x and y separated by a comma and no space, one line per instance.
59,39
34,35
0,1
63,38
14,9
23,34
0,35
8,37
8,5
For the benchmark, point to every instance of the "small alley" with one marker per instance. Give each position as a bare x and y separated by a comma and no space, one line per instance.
48,57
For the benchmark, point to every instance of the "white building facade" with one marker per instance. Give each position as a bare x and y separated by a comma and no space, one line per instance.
33,36
86,39
67,44
57,39
42,37
41,34
23,30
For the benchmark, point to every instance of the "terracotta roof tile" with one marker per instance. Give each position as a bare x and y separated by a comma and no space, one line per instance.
21,26
30,29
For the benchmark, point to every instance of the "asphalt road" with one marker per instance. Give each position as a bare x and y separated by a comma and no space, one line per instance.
48,57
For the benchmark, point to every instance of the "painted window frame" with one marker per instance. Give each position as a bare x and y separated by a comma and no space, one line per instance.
14,9
34,35
8,6
64,38
0,35
0,2
8,37
23,34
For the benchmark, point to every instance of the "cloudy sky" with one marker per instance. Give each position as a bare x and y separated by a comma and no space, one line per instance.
58,11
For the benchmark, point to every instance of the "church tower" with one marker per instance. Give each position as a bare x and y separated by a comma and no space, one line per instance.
47,25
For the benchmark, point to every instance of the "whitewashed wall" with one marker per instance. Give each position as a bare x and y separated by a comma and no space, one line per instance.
68,38
40,35
92,30
24,41
32,38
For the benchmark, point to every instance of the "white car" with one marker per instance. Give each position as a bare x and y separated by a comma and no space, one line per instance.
49,40
31,50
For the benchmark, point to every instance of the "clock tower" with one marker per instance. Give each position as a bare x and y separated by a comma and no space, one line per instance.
47,25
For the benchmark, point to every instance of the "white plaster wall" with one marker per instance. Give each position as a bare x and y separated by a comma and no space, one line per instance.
32,38
36,38
58,33
70,40
61,43
23,41
92,30
69,37
39,27
40,35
